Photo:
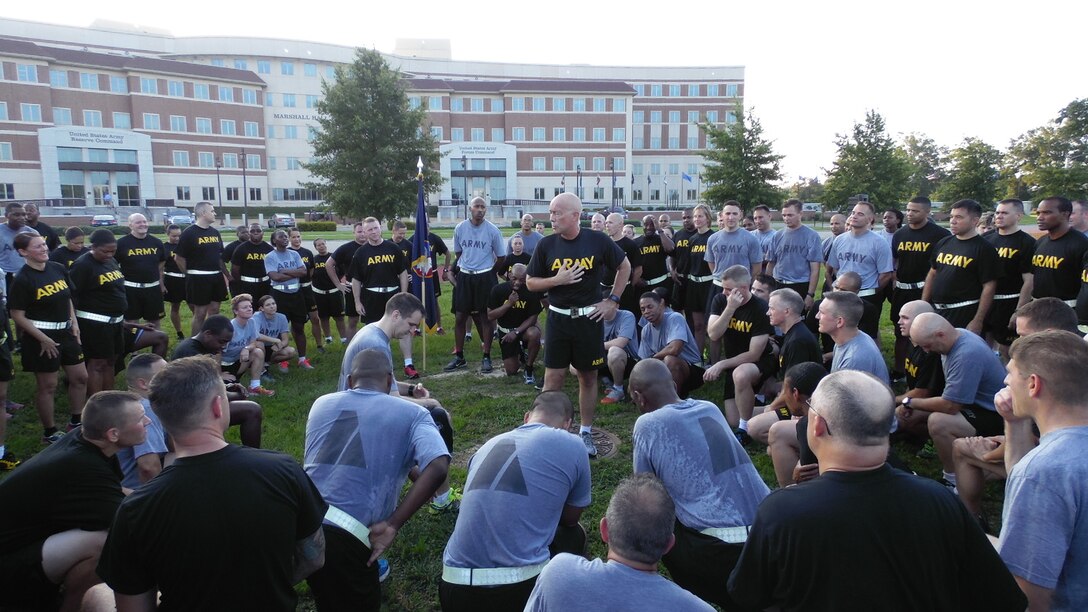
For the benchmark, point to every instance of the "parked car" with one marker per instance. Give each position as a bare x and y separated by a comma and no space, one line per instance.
178,216
281,220
103,221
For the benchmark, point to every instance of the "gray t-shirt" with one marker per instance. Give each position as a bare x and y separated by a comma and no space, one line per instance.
860,353
725,249
764,240
529,239
478,245
155,443
672,327
275,261
517,485
973,374
792,251
869,255
623,326
241,339
10,260
711,479
1044,536
360,446
573,583
275,327
370,336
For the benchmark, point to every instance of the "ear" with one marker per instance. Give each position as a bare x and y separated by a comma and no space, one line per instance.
604,530
113,435
525,420
1035,385
668,547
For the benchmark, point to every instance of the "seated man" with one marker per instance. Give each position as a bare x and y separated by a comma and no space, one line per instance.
973,375
667,337
59,505
839,314
215,334
638,528
924,375
257,509
786,442
621,346
716,489
870,314
900,542
516,312
360,446
144,461
508,529
740,318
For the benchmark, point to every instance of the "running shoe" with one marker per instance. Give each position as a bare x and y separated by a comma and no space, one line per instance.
455,363
53,437
614,396
305,364
743,437
284,366
259,390
453,504
530,379
485,365
383,569
8,462
591,448
410,372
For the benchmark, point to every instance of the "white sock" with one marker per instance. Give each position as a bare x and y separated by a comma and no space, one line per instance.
618,388
343,340
2,450
407,362
743,425
442,498
585,429
301,358
253,384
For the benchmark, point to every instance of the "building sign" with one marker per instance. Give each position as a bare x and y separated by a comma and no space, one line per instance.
481,150
293,116
96,137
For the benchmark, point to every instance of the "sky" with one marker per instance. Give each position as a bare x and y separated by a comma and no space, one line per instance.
948,69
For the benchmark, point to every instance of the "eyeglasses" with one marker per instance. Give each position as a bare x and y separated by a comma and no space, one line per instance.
813,410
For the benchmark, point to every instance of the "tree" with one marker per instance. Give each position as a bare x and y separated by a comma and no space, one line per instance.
806,190
741,164
1052,159
972,174
868,162
926,160
366,150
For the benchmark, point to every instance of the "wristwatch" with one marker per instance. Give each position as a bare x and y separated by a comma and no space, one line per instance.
615,298
906,402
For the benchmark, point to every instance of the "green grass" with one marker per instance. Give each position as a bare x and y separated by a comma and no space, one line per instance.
481,407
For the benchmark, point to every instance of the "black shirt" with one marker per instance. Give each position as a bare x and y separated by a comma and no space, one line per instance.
202,248
527,305
696,265
249,258
44,295
169,251
228,251
749,320
190,347
321,278
653,257
139,258
631,250
799,345
378,266
962,266
1057,265
65,256
925,371
593,250
1082,296
511,259
52,240
406,246
342,257
307,260
682,239
98,287
911,248
1014,253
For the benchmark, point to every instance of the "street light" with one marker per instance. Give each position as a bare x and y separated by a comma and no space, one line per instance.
578,181
245,192
612,167
218,181
464,186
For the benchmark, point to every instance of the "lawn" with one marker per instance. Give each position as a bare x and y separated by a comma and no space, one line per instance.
481,405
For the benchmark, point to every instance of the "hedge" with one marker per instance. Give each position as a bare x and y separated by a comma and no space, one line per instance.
316,226
517,224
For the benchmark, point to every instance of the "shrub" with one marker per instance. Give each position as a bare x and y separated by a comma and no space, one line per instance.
316,226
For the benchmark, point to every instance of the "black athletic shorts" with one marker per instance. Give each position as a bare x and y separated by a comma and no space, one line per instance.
464,598
345,583
71,353
23,583
349,304
292,305
374,303
509,350
203,289
959,317
679,294
232,368
573,341
986,422
693,382
899,298
146,304
800,288
701,564
308,296
697,296
471,292
101,340
329,304
7,364
257,290
175,289
997,321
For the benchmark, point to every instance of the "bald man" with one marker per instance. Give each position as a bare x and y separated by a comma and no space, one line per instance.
142,257
654,246
613,226
925,377
529,236
973,375
480,252
596,223
862,508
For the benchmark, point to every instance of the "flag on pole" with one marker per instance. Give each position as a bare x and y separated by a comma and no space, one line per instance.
422,273
685,176
563,182
632,180
598,180
648,179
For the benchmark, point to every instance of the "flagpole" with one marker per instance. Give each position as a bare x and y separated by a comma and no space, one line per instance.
424,278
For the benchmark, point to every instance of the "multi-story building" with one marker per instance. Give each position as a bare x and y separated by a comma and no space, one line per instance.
189,107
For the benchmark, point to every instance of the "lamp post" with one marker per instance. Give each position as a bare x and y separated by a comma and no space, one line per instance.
578,181
464,186
218,180
612,167
245,191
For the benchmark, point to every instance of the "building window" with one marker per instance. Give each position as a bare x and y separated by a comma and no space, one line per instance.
218,62
497,105
559,134
674,91
693,142
538,134
30,112
559,164
311,101
636,194
640,90
287,68
255,194
27,73
578,105
183,194
98,156
712,91
232,194
636,169
498,134
538,164
69,154
207,194
271,163
264,67
240,64
92,118
201,91
289,100
7,191
149,86
457,134
175,89
253,162
88,80
293,163
538,193
226,94
118,84
731,90
674,142
436,132
693,169
290,132
227,127
413,102
655,169
517,104
674,168
637,143
619,163
619,134
693,91
518,134
730,117
578,134
178,123
62,116
598,164
309,70
638,117
693,116
5,151
251,129
124,156
249,96
476,105
270,131
230,160
655,90
538,104
655,116
674,116
205,159
598,105
655,195
559,104
477,134
712,116
181,159
58,78
579,163
151,121
457,105
598,134
434,103
203,125
619,105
